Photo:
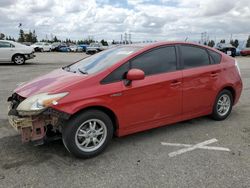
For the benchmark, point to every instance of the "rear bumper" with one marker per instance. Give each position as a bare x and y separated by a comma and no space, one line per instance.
29,56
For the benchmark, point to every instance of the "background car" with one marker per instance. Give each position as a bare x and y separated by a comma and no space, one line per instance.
15,52
64,49
94,48
42,47
84,47
245,52
227,49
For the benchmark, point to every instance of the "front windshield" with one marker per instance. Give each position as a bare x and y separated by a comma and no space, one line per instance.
102,60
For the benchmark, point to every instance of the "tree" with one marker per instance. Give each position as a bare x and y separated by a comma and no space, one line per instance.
34,37
211,43
104,43
2,36
21,36
248,42
234,43
223,41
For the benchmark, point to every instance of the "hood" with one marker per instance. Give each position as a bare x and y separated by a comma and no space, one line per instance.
52,82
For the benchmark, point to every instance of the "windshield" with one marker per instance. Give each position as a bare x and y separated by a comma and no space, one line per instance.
102,60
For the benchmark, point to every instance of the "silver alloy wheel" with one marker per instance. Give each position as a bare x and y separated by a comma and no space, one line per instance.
91,135
19,59
223,105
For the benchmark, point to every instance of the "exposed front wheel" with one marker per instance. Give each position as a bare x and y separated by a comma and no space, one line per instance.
87,134
19,59
223,105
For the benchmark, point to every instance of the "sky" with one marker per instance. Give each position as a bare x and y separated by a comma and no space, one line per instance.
144,19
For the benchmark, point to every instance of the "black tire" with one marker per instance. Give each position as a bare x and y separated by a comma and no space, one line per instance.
18,59
71,128
216,115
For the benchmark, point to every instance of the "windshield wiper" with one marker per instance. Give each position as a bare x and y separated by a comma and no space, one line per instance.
81,71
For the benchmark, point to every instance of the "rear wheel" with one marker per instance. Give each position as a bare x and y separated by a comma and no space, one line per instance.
223,105
19,59
88,134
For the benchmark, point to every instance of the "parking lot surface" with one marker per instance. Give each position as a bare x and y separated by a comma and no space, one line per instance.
146,159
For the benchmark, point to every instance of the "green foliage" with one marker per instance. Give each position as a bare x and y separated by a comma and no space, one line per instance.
248,42
27,37
223,41
2,36
104,43
235,43
211,43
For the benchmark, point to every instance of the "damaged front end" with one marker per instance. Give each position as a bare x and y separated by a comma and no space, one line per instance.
35,125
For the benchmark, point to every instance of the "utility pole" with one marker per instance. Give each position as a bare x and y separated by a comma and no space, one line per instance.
129,38
121,40
125,38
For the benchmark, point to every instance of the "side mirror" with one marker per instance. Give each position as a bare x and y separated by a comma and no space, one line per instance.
134,74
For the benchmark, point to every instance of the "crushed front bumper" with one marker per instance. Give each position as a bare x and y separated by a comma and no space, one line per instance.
29,128
34,127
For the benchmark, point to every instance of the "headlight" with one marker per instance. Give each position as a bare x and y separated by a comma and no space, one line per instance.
37,103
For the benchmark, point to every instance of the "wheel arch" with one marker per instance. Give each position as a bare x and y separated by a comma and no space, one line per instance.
104,109
12,58
231,89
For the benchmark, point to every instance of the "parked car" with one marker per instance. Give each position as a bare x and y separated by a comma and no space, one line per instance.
64,49
84,47
237,52
76,48
61,45
227,49
42,47
125,90
245,51
55,45
15,52
94,48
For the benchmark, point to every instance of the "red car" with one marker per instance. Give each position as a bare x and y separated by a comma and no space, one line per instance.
125,90
245,52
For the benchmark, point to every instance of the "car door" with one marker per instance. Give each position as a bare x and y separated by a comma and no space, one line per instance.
6,51
200,77
156,99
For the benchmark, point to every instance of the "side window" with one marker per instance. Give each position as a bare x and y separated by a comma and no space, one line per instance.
215,57
5,45
117,75
156,61
194,56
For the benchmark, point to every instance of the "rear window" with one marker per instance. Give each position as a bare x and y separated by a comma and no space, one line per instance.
215,57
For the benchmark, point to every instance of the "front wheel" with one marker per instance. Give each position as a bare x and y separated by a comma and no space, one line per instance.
223,105
87,134
19,59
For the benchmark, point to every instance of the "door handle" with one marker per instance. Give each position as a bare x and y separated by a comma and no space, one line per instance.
175,83
214,74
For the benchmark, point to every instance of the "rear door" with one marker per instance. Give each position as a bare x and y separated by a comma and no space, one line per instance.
200,78
6,51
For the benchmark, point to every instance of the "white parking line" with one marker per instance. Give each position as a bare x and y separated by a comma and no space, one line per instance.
189,147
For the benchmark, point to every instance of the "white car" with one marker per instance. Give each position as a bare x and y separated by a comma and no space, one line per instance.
15,52
42,46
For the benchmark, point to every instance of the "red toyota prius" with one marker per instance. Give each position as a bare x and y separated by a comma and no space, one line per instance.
124,90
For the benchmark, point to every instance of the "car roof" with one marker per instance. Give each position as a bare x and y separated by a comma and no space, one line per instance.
145,46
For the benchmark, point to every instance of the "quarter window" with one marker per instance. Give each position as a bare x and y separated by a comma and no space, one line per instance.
215,57
194,56
156,61
5,45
